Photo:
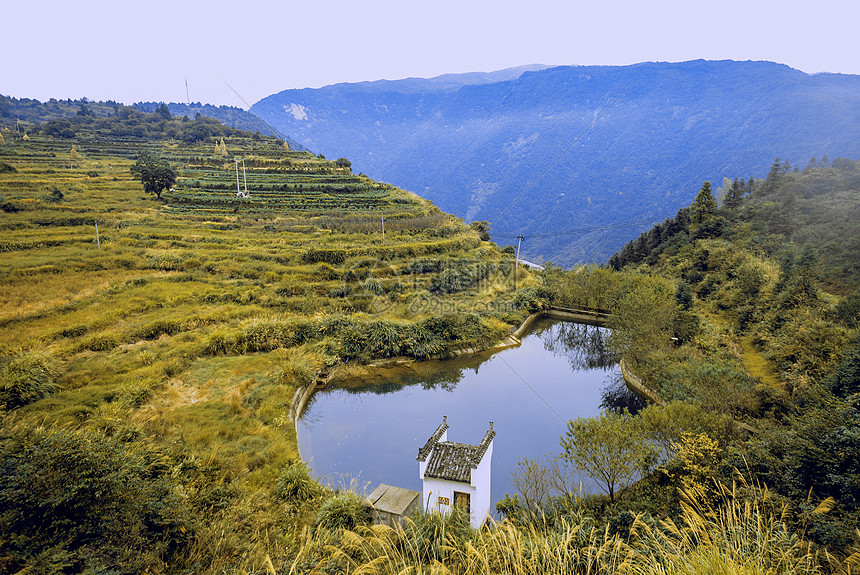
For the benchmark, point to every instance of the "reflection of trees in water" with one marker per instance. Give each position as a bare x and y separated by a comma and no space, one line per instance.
617,397
585,346
444,378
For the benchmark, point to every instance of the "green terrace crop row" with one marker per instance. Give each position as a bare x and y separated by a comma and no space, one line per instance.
256,186
229,175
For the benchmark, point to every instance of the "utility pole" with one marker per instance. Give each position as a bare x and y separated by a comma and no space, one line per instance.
245,177
98,241
383,228
238,190
520,239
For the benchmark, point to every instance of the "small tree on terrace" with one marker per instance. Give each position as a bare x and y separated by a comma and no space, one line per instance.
154,173
609,448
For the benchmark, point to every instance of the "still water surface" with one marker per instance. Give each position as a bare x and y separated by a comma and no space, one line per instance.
370,431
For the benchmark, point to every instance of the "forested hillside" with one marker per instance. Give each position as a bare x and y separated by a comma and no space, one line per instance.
758,319
659,130
71,113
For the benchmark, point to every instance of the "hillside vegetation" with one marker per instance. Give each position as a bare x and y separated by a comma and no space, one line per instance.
151,349
29,111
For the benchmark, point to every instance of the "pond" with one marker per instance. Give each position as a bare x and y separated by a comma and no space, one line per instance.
369,432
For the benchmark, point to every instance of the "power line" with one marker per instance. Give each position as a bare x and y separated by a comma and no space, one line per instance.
253,111
533,389
554,162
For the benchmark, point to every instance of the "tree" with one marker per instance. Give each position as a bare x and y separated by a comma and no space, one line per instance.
154,173
609,448
540,481
483,229
342,163
704,206
59,129
735,195
163,111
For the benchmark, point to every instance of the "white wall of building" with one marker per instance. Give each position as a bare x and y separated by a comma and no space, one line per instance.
478,489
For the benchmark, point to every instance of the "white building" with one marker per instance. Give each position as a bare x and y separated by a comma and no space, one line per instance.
456,474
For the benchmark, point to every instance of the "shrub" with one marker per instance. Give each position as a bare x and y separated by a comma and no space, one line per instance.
220,342
27,377
327,272
55,195
340,291
345,510
332,256
74,330
7,168
295,484
154,329
100,343
373,286
166,261
91,502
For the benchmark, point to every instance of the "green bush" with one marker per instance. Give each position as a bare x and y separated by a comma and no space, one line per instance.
154,329
100,343
78,502
26,377
295,484
220,342
345,510
431,535
331,256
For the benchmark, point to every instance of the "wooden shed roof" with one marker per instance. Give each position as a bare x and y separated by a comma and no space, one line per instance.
392,499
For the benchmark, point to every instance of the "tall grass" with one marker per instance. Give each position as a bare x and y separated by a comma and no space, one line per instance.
747,531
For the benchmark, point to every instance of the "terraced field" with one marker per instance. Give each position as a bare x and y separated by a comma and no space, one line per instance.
161,318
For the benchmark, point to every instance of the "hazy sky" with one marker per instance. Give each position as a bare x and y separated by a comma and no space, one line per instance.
145,50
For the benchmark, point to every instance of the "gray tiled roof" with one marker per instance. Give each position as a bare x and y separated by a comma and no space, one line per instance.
423,452
454,461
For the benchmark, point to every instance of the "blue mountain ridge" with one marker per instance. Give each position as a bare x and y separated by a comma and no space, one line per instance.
475,143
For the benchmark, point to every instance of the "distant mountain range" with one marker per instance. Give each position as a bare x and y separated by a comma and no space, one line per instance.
578,159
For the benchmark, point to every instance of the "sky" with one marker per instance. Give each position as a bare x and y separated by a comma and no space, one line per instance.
236,54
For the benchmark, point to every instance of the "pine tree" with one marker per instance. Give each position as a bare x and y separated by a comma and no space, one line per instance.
734,197
704,206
